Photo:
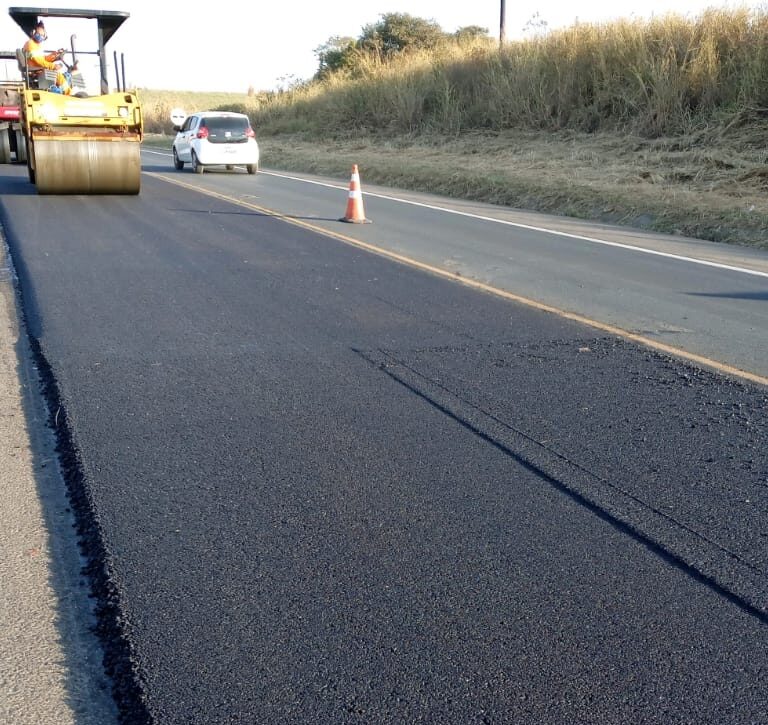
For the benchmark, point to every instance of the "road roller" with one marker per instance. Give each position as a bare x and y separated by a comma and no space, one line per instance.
79,142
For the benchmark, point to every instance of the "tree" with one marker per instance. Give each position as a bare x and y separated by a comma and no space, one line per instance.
337,54
469,33
398,32
393,34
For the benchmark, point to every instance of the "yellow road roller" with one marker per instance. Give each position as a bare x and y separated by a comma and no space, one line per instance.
79,143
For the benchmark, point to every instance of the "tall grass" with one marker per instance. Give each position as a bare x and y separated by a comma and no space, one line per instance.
660,76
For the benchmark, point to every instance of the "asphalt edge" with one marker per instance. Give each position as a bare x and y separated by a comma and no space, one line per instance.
118,660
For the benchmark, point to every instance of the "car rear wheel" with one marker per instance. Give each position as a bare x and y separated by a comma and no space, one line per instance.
177,162
197,167
252,168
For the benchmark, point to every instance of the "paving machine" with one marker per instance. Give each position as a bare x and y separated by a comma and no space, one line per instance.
79,143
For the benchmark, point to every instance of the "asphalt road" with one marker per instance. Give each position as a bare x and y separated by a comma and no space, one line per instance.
316,485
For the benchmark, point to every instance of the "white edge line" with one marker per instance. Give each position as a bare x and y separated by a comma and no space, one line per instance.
528,227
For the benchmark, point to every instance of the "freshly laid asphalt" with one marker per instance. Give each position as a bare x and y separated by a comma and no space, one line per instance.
317,486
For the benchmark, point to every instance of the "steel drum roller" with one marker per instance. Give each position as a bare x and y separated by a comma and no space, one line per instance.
87,166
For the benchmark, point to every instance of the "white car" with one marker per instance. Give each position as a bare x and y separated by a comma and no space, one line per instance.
215,138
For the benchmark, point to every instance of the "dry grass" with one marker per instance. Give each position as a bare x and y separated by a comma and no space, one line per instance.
668,75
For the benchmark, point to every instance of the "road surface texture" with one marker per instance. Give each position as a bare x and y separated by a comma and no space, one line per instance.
317,486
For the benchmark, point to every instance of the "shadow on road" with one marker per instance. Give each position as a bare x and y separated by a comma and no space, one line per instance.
258,213
758,296
14,181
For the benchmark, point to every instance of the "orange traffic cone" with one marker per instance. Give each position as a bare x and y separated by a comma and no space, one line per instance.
355,212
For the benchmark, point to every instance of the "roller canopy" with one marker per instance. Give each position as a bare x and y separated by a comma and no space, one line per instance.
108,20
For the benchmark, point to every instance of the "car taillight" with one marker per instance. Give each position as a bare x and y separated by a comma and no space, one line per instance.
202,133
250,133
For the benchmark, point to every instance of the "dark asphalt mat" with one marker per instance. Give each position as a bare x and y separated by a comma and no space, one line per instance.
315,486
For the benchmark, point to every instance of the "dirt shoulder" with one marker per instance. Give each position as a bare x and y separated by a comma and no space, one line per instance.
711,185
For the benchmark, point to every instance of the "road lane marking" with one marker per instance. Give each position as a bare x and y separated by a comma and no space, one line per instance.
475,284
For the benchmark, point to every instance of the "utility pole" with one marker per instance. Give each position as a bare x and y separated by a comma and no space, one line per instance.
503,23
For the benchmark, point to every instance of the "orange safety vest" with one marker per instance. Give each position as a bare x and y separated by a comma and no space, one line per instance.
36,56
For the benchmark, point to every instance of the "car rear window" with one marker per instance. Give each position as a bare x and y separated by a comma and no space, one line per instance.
226,130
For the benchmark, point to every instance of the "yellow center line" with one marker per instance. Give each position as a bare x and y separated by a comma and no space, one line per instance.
458,277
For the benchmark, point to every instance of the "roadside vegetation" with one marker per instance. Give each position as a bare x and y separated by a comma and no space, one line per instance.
659,123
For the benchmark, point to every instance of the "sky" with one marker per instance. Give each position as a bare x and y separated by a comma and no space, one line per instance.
270,45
